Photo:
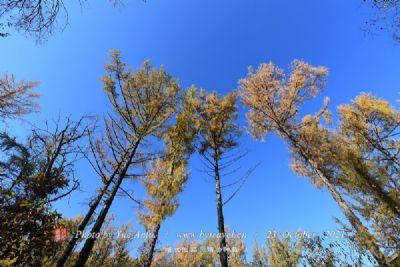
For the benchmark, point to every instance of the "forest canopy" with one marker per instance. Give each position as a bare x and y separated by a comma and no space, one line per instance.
196,162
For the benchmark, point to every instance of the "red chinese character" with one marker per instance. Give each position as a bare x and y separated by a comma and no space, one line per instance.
60,234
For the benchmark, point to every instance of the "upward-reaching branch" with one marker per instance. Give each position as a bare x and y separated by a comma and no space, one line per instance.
218,137
142,103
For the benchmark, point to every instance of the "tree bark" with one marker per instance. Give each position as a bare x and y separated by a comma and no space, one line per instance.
71,244
223,256
93,206
355,222
362,231
153,243
88,246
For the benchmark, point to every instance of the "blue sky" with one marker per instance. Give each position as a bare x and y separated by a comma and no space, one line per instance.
210,44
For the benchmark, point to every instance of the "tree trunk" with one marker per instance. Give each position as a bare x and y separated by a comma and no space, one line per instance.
71,244
355,222
153,243
87,247
93,206
223,256
361,230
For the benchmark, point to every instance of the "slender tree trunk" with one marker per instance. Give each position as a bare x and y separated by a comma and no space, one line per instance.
93,206
153,243
88,246
361,230
223,256
71,244
355,222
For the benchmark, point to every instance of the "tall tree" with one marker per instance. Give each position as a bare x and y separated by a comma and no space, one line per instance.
274,103
143,103
218,136
361,158
167,175
369,130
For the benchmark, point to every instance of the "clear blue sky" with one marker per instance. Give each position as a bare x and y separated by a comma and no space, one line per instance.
211,44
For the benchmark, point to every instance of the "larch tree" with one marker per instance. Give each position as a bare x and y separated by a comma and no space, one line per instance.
274,103
369,131
361,156
143,103
218,137
167,175
16,98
